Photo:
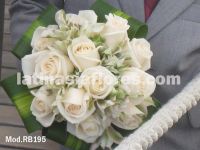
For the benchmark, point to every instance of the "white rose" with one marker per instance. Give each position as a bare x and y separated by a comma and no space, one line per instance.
97,81
138,83
74,105
53,64
126,115
140,51
88,130
83,53
41,40
115,30
41,106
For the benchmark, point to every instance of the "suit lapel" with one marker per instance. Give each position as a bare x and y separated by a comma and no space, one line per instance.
165,12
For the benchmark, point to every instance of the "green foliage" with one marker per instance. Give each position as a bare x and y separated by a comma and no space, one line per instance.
98,40
117,94
22,98
58,133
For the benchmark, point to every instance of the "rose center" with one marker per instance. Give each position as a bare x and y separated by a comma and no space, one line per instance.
73,109
84,48
99,85
49,66
40,106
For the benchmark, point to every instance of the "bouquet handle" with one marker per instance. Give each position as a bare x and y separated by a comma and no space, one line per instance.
164,119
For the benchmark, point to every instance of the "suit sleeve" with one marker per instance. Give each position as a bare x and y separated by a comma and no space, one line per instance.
23,12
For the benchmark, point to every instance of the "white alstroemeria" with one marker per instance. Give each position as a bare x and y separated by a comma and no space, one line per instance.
92,29
97,81
107,139
74,104
84,18
88,15
83,53
103,105
60,18
137,83
47,65
41,40
115,30
89,129
76,20
126,115
145,104
140,52
42,107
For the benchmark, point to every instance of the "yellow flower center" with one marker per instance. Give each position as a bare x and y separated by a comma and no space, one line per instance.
84,48
73,109
41,106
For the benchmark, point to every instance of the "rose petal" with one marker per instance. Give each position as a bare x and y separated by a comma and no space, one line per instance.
37,35
28,62
114,39
47,120
60,17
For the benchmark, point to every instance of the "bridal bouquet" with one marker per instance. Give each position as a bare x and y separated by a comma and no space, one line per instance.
85,80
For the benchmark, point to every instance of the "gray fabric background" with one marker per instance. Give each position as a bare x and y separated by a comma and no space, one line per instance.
174,34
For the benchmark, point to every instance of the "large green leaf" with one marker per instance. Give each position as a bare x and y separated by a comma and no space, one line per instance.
137,29
23,46
22,98
58,133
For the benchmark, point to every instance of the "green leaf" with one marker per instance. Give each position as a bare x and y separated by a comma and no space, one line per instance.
58,133
23,46
137,29
22,98
98,40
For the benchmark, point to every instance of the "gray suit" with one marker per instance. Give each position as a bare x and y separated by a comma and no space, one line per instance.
174,33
